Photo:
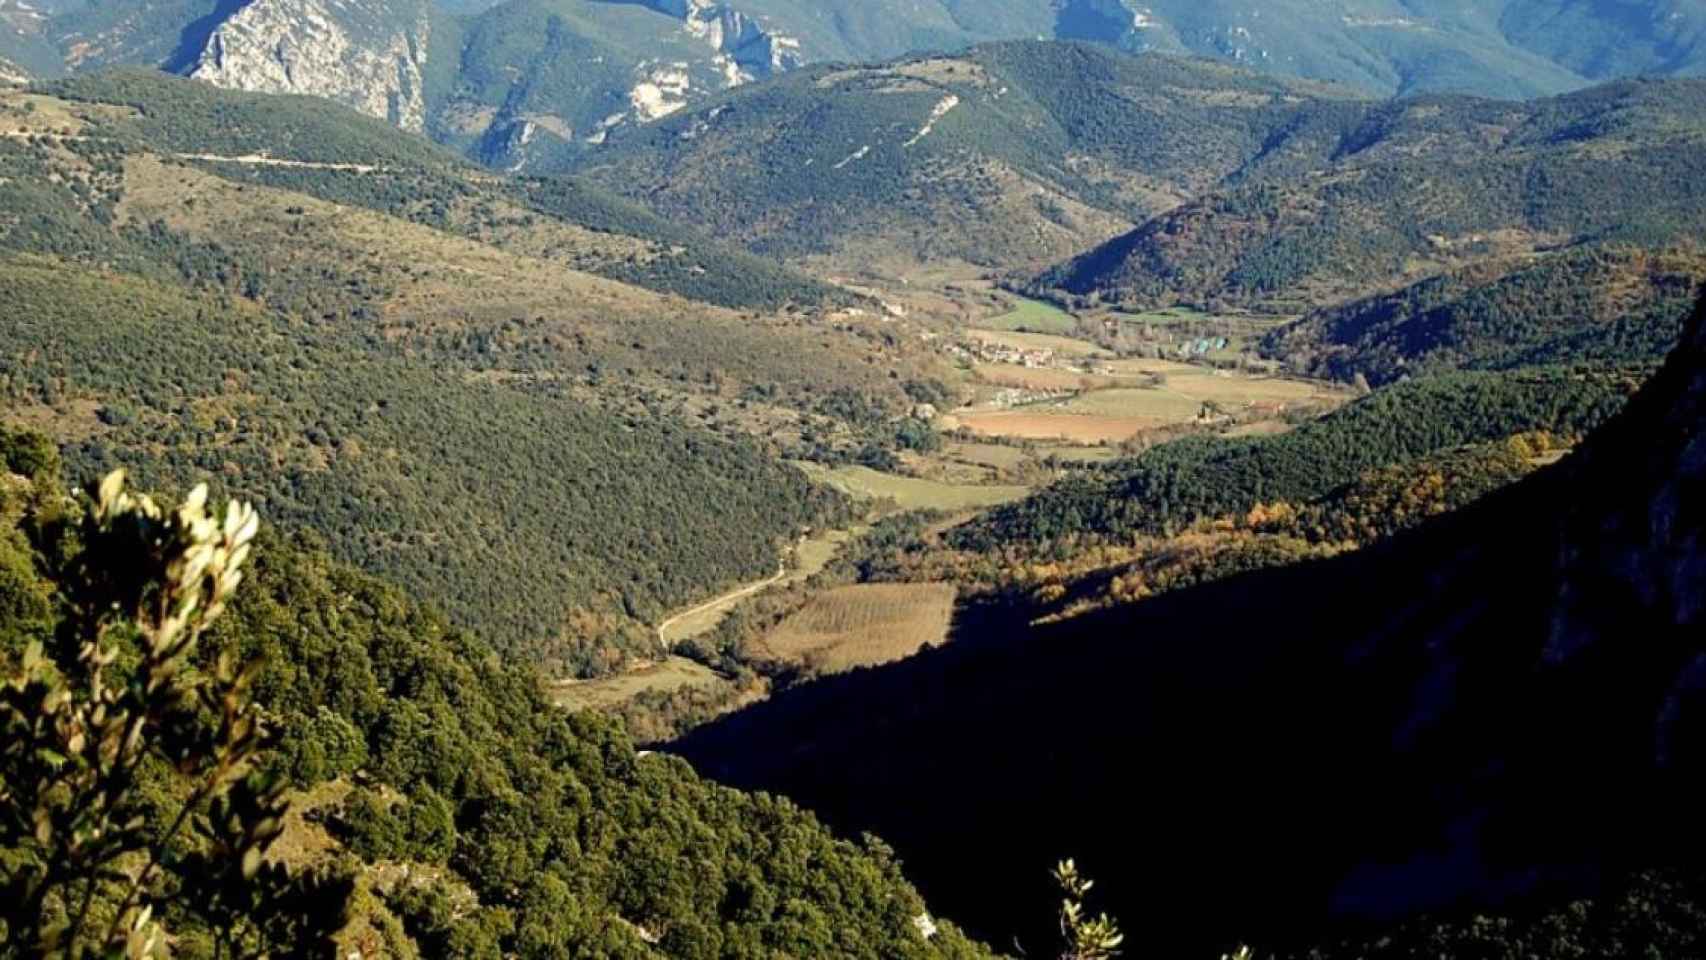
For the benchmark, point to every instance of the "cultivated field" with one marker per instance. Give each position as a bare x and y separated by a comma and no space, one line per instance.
1162,405
1126,397
1235,390
911,493
1071,427
994,455
1146,367
864,625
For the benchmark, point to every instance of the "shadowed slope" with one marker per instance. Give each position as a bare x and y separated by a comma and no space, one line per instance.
1505,701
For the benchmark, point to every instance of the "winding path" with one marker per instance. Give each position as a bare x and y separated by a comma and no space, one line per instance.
247,159
726,600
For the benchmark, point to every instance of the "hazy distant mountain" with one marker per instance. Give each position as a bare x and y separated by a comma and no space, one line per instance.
558,75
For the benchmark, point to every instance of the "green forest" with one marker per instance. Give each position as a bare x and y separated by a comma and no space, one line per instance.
323,386
592,525
1611,304
523,831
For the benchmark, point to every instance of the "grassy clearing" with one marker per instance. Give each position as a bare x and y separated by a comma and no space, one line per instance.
911,493
995,455
1082,454
814,553
1034,316
305,841
1261,428
670,675
1158,404
864,625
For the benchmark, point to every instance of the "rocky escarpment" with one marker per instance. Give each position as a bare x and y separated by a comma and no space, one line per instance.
370,57
745,49
699,48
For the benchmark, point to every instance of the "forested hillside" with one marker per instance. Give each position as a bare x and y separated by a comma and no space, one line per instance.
1608,304
439,806
1416,187
350,159
1006,155
356,340
1234,191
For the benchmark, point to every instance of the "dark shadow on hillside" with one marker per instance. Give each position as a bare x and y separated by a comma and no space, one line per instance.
1509,700
192,41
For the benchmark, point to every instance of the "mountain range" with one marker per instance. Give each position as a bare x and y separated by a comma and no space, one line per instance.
1101,180
561,75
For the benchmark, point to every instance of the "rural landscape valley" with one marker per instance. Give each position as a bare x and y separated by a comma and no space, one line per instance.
849,478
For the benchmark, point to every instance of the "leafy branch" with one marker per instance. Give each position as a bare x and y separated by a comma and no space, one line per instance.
90,725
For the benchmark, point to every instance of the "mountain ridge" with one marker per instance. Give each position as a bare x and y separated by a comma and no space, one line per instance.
482,76
1419,187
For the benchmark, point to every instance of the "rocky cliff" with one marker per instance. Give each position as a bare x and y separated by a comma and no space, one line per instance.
744,48
369,56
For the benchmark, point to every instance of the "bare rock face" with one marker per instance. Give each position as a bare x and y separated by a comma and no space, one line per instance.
369,57
744,48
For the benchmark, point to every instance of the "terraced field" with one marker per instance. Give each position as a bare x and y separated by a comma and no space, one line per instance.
864,625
